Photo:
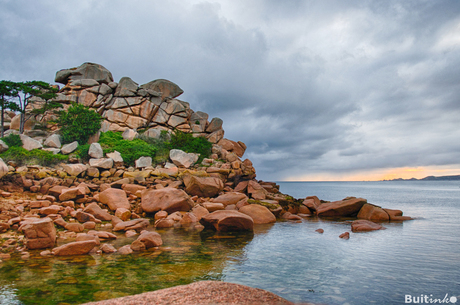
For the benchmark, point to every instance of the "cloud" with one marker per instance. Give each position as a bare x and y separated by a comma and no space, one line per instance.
319,88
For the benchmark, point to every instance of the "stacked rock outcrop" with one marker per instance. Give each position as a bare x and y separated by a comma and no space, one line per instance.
126,105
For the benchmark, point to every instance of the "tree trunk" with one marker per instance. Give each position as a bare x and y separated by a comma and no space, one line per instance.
22,123
2,128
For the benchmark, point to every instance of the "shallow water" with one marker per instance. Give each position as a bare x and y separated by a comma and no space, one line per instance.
290,259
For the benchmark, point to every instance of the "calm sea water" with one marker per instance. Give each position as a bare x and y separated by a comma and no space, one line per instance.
418,257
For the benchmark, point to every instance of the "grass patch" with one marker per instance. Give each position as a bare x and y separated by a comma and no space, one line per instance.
22,156
130,150
13,140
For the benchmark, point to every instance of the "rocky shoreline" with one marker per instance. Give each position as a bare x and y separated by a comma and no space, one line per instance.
77,208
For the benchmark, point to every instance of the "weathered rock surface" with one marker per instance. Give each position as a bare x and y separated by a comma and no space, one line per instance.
344,208
40,233
75,248
203,293
3,168
181,158
53,141
226,220
28,143
114,199
203,186
74,169
229,198
167,199
95,151
258,213
135,224
373,213
150,239
85,71
97,212
69,148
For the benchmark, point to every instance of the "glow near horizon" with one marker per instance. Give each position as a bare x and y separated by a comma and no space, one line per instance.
380,174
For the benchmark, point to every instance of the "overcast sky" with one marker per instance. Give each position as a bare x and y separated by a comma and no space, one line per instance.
318,90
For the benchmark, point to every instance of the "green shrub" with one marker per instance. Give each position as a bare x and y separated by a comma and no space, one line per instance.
161,145
186,142
13,140
130,150
41,157
82,152
78,123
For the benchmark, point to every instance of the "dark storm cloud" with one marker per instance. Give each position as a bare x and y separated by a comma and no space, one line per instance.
310,87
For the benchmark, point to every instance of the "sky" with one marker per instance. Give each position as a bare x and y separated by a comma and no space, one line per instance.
317,90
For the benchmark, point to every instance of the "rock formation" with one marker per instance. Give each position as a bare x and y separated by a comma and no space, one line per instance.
126,105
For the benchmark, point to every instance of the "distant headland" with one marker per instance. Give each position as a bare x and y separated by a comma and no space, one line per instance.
428,178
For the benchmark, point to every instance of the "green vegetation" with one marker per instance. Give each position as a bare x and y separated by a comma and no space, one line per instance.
22,156
17,96
157,149
13,140
188,143
130,150
78,123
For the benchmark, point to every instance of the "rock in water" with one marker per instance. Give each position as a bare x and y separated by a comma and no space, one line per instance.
258,213
348,207
40,233
228,220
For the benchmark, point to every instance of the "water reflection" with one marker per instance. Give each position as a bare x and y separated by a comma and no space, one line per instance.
186,256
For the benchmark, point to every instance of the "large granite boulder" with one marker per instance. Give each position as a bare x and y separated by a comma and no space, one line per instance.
181,158
53,141
167,199
258,213
95,151
344,208
228,220
312,203
373,213
126,87
230,198
256,190
236,147
203,186
150,239
114,199
28,143
3,168
167,88
75,248
74,169
137,224
85,71
97,212
396,215
39,233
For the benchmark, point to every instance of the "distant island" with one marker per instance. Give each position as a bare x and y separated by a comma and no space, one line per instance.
429,178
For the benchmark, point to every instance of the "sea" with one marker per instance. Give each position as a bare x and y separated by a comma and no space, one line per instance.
408,260
416,261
